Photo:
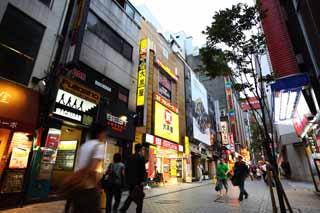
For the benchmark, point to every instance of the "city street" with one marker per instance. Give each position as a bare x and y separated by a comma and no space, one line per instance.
203,199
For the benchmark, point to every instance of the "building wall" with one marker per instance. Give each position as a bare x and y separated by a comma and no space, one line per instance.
100,56
278,41
51,18
162,50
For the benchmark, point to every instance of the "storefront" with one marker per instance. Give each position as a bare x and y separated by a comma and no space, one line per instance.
165,158
83,97
18,120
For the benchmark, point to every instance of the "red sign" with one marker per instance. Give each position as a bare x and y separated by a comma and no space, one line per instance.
152,163
161,142
168,117
231,143
166,103
299,122
253,101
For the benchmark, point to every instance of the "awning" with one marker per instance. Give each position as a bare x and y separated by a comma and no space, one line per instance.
286,93
18,107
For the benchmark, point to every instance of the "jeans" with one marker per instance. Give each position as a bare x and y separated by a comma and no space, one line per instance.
129,200
115,191
86,200
242,189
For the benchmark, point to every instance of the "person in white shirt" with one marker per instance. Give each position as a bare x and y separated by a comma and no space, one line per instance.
90,158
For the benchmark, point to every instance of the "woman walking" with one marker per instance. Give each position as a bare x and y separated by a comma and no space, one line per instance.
114,174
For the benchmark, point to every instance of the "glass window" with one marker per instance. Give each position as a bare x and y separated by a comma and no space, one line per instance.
130,10
108,35
20,40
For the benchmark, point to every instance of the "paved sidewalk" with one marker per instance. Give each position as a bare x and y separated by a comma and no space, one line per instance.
57,206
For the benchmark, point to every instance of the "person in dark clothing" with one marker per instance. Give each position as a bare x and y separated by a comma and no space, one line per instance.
241,171
117,169
135,176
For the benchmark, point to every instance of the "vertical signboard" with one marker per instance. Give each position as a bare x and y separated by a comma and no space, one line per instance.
224,132
142,72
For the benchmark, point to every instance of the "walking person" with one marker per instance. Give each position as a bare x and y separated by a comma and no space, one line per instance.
135,176
241,171
81,187
115,174
222,175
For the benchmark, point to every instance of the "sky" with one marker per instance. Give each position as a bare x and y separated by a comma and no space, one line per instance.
191,16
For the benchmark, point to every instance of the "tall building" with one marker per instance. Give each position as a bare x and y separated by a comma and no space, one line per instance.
160,106
28,41
290,27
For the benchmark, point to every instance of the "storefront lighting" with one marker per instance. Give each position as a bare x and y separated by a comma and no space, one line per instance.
123,118
284,104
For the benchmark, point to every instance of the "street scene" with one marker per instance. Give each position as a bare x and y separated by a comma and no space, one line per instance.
159,106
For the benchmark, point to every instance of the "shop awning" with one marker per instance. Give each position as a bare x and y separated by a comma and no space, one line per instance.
286,93
18,107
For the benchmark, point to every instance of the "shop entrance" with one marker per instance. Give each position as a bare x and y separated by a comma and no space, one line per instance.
70,140
168,164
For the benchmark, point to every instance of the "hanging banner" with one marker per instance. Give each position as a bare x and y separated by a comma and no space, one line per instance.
142,72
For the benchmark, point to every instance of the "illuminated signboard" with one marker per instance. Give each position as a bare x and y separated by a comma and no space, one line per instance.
224,132
165,86
166,123
161,142
142,73
73,107
167,70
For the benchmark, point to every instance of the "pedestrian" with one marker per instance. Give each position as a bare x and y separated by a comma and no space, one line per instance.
81,187
135,176
200,172
264,172
115,173
222,175
241,171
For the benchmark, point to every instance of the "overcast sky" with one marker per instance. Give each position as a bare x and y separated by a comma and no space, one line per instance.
191,16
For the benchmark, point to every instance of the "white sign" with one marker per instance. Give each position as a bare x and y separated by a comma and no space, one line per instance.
224,132
201,130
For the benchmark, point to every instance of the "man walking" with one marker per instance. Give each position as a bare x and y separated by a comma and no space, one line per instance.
135,176
241,171
222,175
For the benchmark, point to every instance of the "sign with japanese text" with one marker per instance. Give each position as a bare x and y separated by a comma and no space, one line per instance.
161,142
166,69
224,132
142,73
166,123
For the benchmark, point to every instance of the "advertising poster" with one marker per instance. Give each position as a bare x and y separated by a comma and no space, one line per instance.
19,158
201,130
166,124
224,132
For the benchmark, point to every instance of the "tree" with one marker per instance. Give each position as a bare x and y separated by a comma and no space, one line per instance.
233,43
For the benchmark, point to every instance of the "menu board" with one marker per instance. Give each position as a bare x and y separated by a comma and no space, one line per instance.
19,158
66,155
12,181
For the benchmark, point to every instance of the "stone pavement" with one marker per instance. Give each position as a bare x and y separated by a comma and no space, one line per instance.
201,198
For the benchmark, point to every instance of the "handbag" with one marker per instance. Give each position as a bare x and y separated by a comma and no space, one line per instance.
218,187
137,194
108,179
235,180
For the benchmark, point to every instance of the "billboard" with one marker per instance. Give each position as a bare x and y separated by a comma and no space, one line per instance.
224,132
200,116
166,123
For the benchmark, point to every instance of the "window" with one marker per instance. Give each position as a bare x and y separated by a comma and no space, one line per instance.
46,2
108,35
20,40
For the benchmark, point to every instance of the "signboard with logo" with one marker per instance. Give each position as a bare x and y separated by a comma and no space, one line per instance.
300,116
166,122
161,142
18,107
250,104
200,113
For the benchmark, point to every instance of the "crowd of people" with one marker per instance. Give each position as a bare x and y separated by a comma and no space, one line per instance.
82,189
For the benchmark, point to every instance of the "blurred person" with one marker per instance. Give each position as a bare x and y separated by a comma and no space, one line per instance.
222,175
241,171
135,176
81,187
115,173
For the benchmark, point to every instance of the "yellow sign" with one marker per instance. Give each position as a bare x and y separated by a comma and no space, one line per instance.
142,73
166,123
173,167
186,145
166,69
68,145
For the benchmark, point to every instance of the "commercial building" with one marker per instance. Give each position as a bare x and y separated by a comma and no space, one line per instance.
290,28
28,40
160,106
93,80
